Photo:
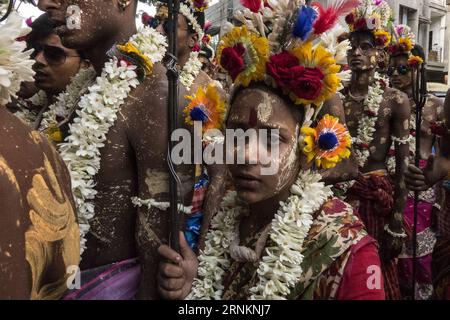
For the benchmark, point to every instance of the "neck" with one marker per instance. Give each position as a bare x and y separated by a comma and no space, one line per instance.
361,81
183,59
408,91
262,213
97,54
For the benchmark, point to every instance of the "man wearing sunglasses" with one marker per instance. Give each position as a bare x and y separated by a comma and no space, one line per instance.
403,59
55,67
375,116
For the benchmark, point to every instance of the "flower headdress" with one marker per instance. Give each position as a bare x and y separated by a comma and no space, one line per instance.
290,46
374,16
403,41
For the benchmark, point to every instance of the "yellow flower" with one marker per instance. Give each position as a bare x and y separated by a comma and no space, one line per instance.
253,58
406,42
206,106
382,38
415,61
54,133
130,48
328,143
318,57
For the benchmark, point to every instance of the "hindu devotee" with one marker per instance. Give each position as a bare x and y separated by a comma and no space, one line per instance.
376,116
39,238
246,256
403,59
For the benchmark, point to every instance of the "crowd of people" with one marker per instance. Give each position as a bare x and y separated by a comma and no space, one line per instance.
85,172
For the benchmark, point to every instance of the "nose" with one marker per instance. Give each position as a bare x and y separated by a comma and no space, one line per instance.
358,51
40,59
46,5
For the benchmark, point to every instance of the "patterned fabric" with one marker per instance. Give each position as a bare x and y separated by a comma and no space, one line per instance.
193,221
372,198
326,252
426,240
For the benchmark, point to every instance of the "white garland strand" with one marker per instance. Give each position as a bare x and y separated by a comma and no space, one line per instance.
152,203
66,100
366,127
190,70
96,114
280,269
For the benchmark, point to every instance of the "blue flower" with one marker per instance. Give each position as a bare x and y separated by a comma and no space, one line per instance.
199,113
304,23
328,140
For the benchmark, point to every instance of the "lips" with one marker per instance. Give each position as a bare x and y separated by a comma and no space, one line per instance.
40,75
245,180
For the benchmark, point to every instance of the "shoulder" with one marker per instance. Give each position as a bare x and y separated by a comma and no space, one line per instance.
398,102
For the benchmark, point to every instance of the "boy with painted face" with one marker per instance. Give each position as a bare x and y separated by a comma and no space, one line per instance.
376,117
39,236
403,60
263,240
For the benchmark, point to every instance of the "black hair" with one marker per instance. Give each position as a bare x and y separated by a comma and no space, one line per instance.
206,52
42,28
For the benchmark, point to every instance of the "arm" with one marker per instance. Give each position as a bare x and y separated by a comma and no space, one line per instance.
400,121
347,169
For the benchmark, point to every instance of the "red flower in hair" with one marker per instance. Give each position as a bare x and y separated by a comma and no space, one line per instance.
350,18
252,5
145,18
196,48
232,60
360,24
304,82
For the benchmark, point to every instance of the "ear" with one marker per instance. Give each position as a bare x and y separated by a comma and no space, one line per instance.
193,39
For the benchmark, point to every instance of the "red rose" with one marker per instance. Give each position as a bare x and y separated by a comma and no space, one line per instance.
350,18
196,48
360,24
145,18
380,41
305,83
232,60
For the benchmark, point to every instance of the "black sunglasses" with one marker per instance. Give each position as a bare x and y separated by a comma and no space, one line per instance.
54,55
402,70
154,22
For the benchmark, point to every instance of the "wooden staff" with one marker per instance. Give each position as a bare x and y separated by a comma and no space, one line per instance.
172,74
419,86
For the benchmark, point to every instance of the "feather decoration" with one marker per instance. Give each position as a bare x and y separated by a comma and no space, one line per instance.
304,24
328,17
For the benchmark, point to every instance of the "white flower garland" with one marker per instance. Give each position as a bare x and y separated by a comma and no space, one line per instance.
15,62
152,203
190,70
66,100
366,127
186,12
280,269
96,115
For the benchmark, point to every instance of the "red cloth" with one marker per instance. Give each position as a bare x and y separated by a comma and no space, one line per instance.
374,194
354,283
